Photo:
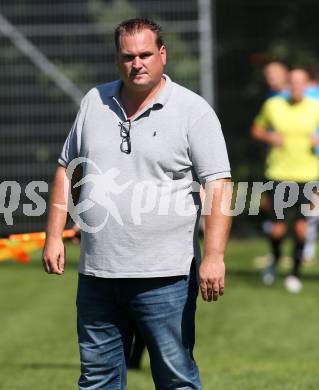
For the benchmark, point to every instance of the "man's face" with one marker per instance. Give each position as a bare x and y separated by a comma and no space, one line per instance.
140,62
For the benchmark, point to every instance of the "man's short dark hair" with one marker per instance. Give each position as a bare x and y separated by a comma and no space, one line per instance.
132,26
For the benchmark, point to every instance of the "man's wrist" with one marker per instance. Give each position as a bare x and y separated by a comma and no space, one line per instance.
54,236
214,257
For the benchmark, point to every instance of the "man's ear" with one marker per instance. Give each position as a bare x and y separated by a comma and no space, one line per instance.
162,51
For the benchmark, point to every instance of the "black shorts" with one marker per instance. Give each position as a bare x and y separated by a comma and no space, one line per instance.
278,198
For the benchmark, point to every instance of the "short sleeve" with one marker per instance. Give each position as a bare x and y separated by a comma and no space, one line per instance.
262,119
208,151
72,144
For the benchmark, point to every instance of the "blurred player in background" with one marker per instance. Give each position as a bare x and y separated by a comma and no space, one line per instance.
276,75
287,123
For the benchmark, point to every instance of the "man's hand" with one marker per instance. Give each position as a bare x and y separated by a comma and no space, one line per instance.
217,227
53,256
212,278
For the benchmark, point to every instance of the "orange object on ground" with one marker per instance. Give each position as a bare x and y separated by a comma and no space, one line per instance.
69,233
19,251
19,246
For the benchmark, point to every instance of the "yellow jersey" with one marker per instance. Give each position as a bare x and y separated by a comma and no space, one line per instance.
297,123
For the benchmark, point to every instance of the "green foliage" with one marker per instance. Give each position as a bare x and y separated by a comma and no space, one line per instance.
182,64
292,53
111,13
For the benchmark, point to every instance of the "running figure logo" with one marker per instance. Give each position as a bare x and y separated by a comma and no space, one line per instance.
104,186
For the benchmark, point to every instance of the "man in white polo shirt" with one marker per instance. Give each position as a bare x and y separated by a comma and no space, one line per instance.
143,143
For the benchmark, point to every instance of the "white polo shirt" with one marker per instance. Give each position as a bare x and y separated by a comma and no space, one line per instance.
139,211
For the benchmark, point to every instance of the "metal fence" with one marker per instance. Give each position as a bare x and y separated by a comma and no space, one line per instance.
51,54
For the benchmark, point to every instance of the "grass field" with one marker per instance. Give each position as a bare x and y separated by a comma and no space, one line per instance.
255,338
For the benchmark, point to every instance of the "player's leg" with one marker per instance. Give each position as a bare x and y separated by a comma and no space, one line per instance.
279,227
300,228
104,334
292,282
276,237
164,310
278,232
300,233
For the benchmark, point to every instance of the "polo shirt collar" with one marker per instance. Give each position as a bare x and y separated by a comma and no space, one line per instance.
114,89
161,98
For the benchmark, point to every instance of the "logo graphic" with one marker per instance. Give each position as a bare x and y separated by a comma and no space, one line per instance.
104,186
143,201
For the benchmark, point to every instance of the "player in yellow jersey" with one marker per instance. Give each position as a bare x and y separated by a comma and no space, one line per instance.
287,124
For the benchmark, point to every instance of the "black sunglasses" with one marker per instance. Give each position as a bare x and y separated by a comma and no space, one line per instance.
125,128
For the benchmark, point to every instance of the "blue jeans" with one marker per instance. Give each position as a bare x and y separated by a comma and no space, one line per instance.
164,311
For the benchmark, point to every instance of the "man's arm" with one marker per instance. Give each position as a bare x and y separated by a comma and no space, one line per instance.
54,252
217,227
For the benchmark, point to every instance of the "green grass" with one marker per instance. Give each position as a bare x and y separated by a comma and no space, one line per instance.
254,338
